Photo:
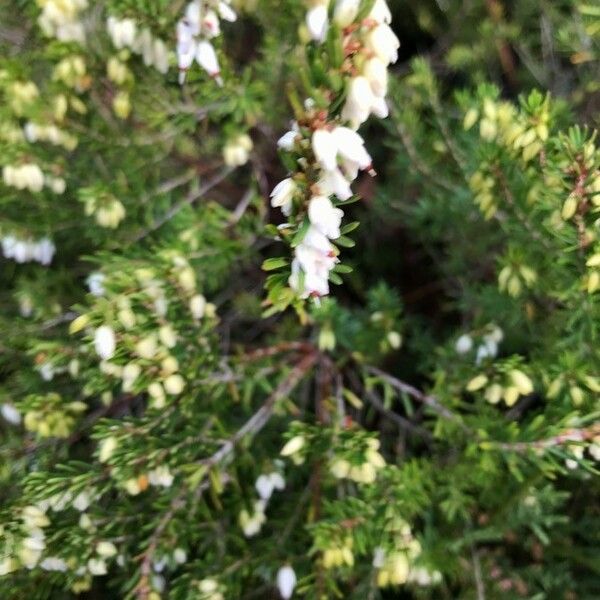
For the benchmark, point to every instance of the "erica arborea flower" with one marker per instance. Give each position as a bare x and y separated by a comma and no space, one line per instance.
286,582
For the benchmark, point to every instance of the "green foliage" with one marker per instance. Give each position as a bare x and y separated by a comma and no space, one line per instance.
172,430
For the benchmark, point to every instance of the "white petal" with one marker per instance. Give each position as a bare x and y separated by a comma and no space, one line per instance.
317,22
325,148
351,146
286,582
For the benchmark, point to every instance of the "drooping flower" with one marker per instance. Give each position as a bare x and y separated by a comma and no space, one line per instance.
325,217
282,195
317,20
105,342
345,12
286,582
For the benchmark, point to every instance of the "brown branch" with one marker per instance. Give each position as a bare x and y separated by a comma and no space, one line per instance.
567,437
495,10
427,400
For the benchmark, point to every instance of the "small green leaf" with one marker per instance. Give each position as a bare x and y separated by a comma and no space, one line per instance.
272,264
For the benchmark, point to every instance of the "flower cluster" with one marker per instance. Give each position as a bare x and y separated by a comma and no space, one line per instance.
132,333
28,250
507,386
487,343
523,132
125,34
513,278
29,176
252,522
61,19
236,151
579,386
360,464
326,147
210,589
339,553
50,416
106,209
36,132
201,24
397,566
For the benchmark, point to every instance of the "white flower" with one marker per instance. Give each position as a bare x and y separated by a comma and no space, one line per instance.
383,42
265,484
237,151
97,566
317,21
287,140
198,306
82,501
106,549
315,283
179,556
105,342
282,195
95,283
161,476
174,384
379,558
226,12
314,259
377,74
359,101
286,581
252,523
489,349
107,448
334,183
577,452
264,487
325,147
10,414
345,12
53,563
381,12
293,446
277,481
324,216
122,32
351,147
207,59
463,344
161,56
44,251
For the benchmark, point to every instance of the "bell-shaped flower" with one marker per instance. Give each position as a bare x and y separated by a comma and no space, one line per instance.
376,73
105,342
383,42
226,12
351,147
211,26
325,217
334,183
345,12
287,140
313,283
317,21
324,146
282,195
381,12
207,59
286,582
359,101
